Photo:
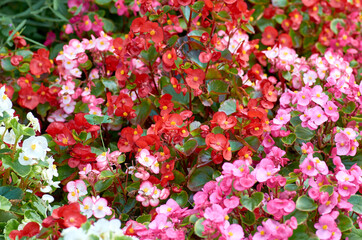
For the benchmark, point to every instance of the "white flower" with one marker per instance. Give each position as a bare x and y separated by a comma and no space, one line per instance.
35,147
33,121
47,198
5,102
24,160
45,189
10,137
73,233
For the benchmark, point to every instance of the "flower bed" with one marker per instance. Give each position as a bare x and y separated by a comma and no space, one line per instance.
182,120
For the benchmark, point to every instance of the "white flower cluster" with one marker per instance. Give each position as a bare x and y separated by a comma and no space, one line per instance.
102,229
33,150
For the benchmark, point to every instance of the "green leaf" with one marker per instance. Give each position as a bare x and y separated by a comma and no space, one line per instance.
289,139
349,108
149,55
21,170
5,204
198,5
356,234
143,111
299,215
248,28
100,186
262,23
306,204
228,106
248,218
111,84
32,216
144,218
199,228
356,200
24,67
179,177
235,145
108,25
11,192
97,120
287,75
345,223
300,233
327,188
304,133
252,202
6,64
217,87
42,109
280,18
296,38
334,23
11,225
199,177
188,148
181,198
279,3
102,2
291,187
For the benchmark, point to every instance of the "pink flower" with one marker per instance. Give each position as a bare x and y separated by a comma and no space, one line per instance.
326,227
343,143
233,232
308,167
102,44
170,207
265,170
76,189
100,208
145,158
216,213
87,207
318,116
331,110
282,118
280,207
304,97
318,96
309,77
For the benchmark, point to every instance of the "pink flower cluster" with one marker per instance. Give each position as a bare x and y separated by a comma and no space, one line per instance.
346,142
95,206
149,194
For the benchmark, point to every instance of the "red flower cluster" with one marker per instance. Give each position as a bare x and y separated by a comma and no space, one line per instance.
30,230
65,217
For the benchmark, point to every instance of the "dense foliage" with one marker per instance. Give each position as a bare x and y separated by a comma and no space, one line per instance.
181,119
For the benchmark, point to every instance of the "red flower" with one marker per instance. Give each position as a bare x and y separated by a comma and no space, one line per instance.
269,91
269,35
81,154
309,3
40,63
296,18
169,58
16,59
137,24
286,24
216,141
69,216
194,78
223,120
60,134
285,40
28,98
154,30
81,124
30,230
166,105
